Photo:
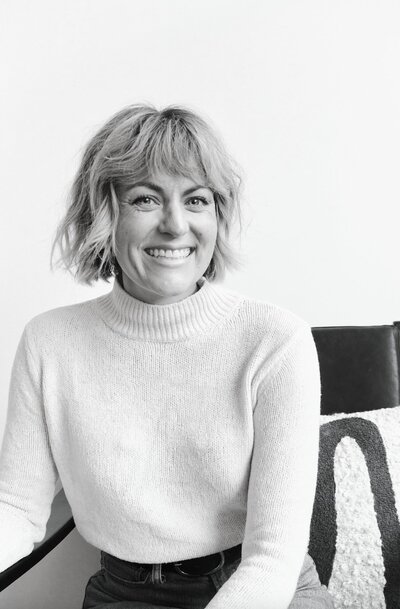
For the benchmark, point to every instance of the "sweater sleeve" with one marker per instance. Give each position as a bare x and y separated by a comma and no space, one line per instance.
282,481
28,474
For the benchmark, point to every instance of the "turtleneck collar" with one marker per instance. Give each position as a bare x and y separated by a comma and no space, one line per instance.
195,314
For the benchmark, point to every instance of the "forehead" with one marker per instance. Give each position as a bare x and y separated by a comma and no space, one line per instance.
166,181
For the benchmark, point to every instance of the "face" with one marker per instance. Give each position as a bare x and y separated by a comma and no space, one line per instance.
165,237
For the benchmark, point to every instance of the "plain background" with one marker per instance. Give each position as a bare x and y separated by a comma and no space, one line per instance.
306,96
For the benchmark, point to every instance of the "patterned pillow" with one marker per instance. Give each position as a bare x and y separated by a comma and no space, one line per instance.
355,528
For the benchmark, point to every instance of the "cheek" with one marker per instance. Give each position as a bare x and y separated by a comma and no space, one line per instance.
211,232
127,235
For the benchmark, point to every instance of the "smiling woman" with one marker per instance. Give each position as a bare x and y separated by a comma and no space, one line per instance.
181,417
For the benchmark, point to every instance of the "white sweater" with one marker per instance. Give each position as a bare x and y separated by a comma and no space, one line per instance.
176,430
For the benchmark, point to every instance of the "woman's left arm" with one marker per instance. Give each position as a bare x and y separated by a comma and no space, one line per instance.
282,481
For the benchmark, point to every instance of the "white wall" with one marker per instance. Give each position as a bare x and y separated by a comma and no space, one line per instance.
306,96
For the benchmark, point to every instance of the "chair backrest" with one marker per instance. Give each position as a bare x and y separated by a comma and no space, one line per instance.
360,367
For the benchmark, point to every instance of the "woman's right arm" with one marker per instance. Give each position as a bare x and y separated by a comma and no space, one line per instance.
28,474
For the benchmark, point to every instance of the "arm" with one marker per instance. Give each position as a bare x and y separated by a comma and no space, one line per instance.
28,474
282,482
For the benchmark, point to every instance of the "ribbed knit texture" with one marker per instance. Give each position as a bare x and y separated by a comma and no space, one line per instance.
176,430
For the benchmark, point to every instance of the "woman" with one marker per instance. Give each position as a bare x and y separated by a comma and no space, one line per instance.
181,417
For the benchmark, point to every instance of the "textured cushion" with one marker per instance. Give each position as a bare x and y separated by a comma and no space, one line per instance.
355,529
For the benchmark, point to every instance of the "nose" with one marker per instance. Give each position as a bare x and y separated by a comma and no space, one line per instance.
173,219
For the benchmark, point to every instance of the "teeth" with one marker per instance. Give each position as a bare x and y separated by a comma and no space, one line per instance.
183,253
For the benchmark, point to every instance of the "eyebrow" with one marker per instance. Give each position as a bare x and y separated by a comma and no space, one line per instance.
161,191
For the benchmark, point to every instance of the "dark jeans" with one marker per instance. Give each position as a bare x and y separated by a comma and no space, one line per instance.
123,585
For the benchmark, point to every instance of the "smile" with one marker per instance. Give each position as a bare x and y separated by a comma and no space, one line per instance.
174,254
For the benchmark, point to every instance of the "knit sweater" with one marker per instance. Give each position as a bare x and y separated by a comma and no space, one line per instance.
176,430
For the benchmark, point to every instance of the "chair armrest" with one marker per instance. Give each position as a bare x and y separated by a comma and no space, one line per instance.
60,523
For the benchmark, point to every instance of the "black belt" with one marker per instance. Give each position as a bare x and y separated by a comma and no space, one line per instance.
192,567
204,565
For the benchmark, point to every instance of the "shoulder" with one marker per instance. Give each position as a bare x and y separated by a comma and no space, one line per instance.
282,346
58,324
267,319
270,334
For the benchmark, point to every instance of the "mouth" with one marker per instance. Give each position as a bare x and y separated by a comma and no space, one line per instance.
169,254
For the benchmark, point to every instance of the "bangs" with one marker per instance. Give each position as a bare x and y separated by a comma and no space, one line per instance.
173,150
166,145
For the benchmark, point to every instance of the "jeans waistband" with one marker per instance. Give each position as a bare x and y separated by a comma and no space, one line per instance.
202,565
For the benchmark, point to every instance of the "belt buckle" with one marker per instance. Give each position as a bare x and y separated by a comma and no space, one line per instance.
177,566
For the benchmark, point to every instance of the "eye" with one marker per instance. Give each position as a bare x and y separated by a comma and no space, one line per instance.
198,202
143,201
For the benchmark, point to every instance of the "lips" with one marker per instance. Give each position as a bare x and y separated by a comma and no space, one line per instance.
169,256
169,253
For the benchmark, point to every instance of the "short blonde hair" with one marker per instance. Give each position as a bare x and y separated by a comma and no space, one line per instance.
135,142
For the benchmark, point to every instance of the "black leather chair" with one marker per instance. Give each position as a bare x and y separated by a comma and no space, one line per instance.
360,371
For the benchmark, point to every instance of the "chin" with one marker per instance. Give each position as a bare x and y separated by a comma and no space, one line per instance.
176,291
